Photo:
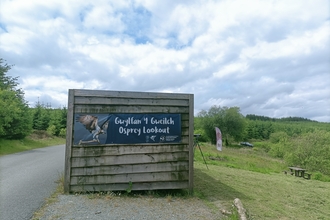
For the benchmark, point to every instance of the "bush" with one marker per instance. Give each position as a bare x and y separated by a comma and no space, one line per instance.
277,150
62,133
52,130
311,151
203,137
319,176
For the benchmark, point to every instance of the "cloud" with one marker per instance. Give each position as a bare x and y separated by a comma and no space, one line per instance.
267,57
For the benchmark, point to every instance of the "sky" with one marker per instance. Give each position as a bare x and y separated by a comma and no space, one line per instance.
267,57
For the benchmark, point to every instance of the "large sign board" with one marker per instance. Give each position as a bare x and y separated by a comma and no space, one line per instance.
91,129
121,139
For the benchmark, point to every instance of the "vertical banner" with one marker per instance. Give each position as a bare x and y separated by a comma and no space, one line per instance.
219,138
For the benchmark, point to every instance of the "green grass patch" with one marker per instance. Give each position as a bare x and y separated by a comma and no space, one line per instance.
37,139
259,182
253,159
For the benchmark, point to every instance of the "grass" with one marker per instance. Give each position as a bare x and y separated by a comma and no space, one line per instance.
37,139
258,181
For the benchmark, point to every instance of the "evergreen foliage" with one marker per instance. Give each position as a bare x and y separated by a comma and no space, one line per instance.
15,120
41,117
48,119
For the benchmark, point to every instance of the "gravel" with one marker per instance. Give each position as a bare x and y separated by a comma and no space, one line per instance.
126,208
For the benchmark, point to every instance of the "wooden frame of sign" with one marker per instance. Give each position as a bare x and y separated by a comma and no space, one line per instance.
160,162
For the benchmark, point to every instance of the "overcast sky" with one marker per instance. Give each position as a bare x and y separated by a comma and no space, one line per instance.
268,57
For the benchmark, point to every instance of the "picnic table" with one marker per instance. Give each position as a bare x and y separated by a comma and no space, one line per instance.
299,172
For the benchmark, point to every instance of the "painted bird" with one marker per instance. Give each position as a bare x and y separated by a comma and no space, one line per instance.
90,122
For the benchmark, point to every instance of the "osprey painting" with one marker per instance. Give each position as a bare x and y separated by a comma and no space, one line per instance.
90,122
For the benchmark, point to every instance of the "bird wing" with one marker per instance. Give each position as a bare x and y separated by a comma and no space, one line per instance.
104,126
89,121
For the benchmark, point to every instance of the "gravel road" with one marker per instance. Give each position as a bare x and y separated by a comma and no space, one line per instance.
126,208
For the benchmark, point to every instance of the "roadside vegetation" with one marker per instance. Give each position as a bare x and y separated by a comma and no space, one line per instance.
36,139
23,127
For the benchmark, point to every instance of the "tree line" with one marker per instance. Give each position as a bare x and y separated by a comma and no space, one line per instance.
235,127
17,119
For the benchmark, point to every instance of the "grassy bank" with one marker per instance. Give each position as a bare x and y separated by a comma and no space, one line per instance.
259,182
37,139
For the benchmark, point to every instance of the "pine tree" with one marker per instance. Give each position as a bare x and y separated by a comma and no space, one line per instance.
15,119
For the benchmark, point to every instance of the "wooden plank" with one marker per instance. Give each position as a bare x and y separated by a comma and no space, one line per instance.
185,117
184,140
69,126
128,159
127,94
81,151
128,109
130,101
124,186
191,142
131,168
132,177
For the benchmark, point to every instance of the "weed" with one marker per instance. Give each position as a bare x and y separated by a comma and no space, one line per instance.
129,189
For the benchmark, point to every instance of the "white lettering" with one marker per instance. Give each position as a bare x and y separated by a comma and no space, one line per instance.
163,121
127,121
128,131
156,130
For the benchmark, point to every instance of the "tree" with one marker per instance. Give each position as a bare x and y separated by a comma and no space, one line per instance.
234,123
230,121
57,124
15,120
41,117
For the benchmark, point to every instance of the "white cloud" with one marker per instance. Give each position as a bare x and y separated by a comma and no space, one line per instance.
267,57
294,45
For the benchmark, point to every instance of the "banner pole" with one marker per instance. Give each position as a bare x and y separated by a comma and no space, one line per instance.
196,143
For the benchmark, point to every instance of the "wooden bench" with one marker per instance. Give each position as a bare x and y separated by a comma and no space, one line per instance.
307,176
288,172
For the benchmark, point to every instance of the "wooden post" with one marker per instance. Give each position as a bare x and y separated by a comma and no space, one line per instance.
191,143
68,148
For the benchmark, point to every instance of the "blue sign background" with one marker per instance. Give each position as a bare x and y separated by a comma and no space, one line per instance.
94,129
144,128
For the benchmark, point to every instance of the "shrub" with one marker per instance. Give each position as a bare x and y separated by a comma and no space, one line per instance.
62,132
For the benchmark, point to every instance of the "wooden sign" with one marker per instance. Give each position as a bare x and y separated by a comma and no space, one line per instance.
118,140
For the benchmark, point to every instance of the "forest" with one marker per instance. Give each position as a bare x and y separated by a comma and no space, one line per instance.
297,141
17,119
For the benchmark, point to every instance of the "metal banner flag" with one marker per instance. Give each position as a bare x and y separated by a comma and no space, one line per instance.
219,139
